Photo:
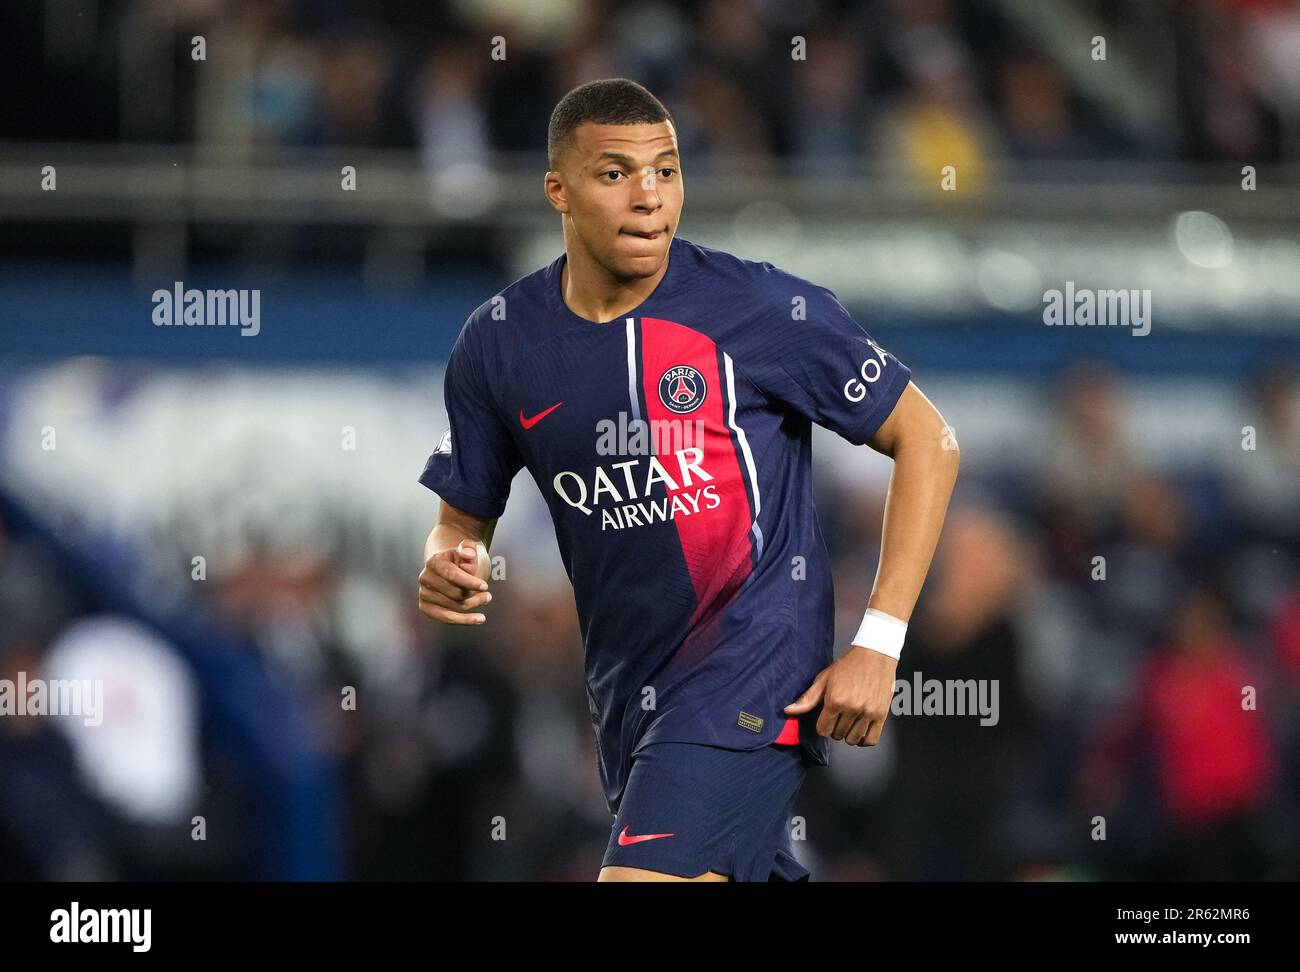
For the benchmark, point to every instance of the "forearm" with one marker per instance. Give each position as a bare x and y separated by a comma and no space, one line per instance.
454,526
925,471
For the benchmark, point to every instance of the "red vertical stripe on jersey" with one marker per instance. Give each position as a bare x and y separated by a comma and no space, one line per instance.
715,542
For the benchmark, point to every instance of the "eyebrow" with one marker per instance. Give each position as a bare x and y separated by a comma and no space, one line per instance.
630,162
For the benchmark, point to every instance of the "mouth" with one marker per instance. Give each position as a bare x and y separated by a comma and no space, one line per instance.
644,236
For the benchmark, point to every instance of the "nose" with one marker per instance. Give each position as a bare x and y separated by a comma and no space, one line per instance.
646,198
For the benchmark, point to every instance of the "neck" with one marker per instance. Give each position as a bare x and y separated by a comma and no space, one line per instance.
591,292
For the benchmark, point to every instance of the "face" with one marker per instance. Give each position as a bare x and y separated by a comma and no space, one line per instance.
620,191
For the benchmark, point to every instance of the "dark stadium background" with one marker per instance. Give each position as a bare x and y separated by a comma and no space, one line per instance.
288,460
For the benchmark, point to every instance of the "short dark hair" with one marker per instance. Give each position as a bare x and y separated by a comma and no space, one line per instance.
609,101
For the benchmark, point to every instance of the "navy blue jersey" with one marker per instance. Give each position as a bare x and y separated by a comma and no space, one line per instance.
673,449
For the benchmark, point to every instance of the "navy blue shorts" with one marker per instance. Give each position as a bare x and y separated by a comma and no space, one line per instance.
690,808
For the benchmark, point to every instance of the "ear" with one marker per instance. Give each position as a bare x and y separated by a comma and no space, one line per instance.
553,187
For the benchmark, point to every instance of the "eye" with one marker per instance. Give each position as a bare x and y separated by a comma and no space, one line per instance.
613,172
670,172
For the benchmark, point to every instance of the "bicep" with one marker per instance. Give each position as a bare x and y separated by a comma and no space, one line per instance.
914,419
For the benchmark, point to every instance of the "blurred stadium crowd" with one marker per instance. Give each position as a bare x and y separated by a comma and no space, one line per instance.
1120,688
1120,680
916,83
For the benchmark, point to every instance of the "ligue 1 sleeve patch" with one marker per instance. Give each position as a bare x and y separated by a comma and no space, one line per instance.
750,721
444,444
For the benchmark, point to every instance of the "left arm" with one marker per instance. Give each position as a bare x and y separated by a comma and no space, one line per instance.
856,690
926,459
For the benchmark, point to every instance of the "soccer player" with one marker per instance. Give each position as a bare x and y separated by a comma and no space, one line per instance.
661,393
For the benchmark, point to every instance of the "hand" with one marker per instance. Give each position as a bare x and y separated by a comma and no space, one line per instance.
858,688
451,587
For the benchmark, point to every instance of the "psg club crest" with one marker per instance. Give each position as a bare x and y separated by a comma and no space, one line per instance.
682,389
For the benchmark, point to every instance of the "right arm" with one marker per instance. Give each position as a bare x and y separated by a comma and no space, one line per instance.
470,470
455,525
449,590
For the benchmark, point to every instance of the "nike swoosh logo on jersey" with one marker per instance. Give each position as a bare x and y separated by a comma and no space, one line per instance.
624,839
528,423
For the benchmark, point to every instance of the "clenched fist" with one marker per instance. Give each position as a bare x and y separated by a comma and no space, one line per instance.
454,583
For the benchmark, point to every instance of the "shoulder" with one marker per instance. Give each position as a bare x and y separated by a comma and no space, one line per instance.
527,291
765,287
487,329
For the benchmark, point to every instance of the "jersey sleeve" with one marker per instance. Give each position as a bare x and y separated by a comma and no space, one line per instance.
824,365
475,459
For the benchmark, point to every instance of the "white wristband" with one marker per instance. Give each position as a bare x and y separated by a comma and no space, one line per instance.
881,632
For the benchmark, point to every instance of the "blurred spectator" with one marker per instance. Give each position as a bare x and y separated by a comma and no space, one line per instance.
1265,485
51,826
719,128
950,792
1197,713
937,125
1085,475
1035,107
141,755
452,126
357,104
1147,559
939,118
830,112
1223,110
